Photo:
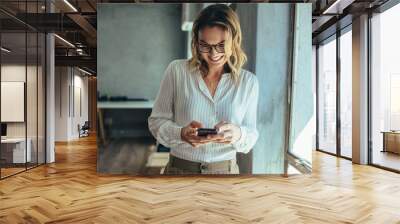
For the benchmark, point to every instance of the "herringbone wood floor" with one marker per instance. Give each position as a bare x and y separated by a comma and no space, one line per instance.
70,191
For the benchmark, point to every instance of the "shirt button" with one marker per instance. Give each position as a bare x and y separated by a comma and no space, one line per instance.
203,167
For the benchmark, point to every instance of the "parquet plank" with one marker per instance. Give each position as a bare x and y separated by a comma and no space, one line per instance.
70,191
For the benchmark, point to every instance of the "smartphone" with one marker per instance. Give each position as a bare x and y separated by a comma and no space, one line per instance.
206,131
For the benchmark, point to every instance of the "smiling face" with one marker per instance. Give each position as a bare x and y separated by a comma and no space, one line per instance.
217,56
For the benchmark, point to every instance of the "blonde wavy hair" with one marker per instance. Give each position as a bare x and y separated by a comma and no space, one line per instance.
223,16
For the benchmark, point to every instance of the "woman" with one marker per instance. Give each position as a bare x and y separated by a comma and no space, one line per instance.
210,90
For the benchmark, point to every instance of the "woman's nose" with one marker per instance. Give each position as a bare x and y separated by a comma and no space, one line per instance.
213,51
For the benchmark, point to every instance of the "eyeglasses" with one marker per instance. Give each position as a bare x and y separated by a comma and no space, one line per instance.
206,48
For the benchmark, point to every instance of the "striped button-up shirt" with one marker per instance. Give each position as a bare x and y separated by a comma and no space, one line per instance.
184,97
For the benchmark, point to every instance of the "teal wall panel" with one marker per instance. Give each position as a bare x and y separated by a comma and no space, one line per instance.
271,68
136,42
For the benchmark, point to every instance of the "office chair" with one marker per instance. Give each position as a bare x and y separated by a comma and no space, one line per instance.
84,130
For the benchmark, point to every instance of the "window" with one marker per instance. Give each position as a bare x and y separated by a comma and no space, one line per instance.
327,96
346,94
385,89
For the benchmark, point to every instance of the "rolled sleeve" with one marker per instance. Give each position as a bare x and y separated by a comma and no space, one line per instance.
161,123
248,128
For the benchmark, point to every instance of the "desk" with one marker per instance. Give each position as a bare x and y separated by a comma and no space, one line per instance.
118,105
16,147
391,141
125,104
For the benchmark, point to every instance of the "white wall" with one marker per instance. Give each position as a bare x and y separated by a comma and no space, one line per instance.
80,84
12,73
34,125
70,83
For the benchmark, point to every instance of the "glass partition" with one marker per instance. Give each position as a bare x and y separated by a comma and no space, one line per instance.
31,99
15,150
22,91
41,109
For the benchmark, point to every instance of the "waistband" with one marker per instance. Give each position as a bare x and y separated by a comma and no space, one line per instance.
188,165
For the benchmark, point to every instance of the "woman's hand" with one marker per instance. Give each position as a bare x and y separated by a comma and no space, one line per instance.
227,133
189,134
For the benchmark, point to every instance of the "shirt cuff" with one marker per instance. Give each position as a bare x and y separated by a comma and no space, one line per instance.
176,133
170,134
240,143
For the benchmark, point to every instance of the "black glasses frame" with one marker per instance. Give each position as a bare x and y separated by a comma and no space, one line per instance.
209,47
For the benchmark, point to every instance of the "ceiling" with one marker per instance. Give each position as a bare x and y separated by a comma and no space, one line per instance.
72,20
332,15
76,22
